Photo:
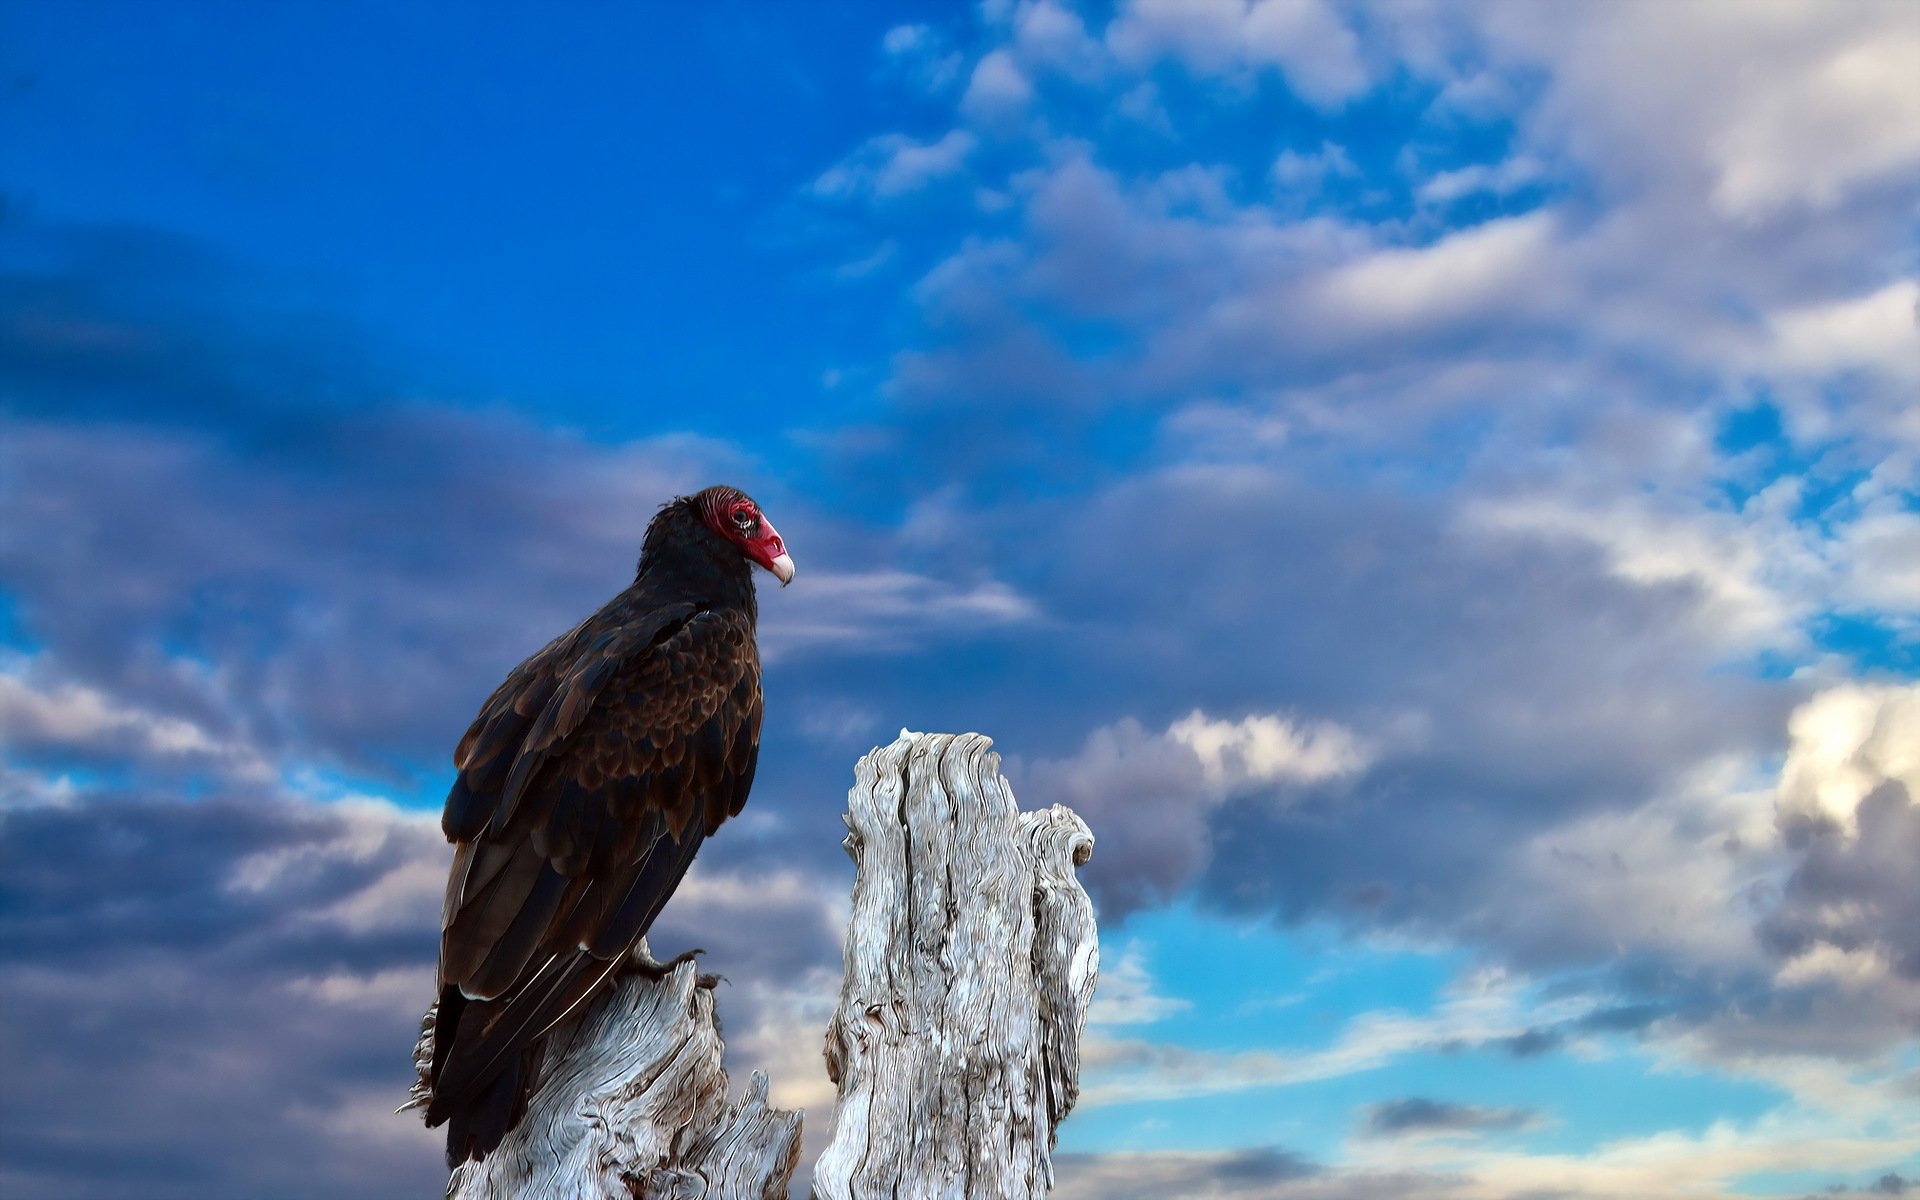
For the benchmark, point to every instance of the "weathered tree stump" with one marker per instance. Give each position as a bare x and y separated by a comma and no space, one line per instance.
631,1102
970,961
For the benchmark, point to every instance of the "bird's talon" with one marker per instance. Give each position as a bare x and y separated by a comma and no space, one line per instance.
647,965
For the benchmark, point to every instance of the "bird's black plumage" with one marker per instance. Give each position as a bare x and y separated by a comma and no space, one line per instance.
585,787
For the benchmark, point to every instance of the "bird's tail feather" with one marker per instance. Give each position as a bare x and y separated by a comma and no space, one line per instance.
500,1043
475,1129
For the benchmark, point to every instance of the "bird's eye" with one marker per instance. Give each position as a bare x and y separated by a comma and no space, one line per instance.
743,518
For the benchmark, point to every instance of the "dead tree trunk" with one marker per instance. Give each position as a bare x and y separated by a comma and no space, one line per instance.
970,961
631,1102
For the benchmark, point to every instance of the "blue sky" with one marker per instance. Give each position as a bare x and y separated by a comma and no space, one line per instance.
1435,487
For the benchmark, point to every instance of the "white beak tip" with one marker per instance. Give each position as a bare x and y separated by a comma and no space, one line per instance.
782,569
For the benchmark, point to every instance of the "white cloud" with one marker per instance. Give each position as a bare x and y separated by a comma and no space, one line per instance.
1878,556
1128,993
399,858
998,89
1263,749
883,610
394,988
1205,34
1504,263
1293,171
1853,969
1048,35
1846,117
1751,571
1754,107
1305,39
82,718
923,55
1499,179
1669,1165
1148,794
1495,1007
1846,742
1877,331
1670,877
905,39
893,165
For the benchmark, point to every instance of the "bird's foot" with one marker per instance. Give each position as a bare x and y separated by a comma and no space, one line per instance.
643,962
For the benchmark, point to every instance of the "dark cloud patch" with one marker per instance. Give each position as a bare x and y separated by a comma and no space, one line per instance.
1851,889
213,998
1256,1171
1149,804
1890,1184
121,878
1531,1044
1487,670
1420,1115
1263,1164
1620,1018
1837,933
218,998
1261,1173
1546,1039
758,927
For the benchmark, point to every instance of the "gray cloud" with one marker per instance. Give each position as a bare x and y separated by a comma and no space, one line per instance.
218,997
1260,1173
213,998
1850,892
1501,660
1420,1115
1257,1171
1890,1184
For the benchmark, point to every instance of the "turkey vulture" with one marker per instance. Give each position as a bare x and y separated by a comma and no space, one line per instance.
585,786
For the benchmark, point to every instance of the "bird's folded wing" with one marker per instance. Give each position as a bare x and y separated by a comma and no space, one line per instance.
585,787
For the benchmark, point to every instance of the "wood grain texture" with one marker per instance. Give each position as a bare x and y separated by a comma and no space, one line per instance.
631,1101
971,958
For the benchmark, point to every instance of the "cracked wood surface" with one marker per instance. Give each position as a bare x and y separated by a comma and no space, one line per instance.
632,1102
970,960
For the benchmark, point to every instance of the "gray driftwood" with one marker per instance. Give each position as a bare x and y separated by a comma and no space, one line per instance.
970,961
632,1102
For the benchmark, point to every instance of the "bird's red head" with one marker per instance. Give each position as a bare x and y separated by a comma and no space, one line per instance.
733,515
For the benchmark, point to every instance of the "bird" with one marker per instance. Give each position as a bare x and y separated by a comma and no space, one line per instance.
585,786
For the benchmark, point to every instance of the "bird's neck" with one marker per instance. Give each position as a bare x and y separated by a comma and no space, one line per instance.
681,558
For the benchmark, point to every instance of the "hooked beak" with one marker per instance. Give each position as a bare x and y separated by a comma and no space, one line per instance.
770,551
